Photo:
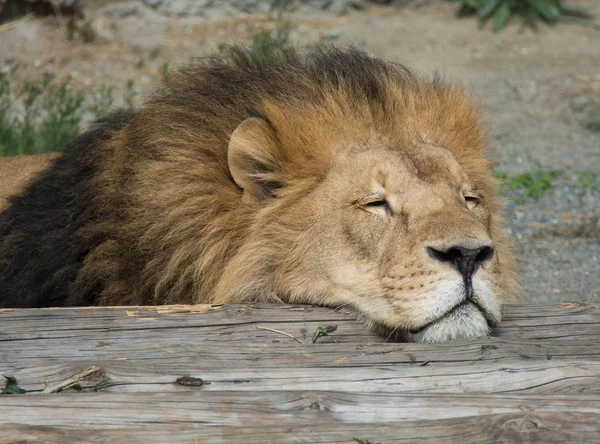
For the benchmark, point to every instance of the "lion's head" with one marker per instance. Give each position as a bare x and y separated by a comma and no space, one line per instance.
384,204
399,227
334,179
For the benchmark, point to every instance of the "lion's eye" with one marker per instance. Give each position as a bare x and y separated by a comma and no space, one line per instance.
377,204
374,204
471,198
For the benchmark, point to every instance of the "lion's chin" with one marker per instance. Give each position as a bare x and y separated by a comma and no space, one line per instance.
464,322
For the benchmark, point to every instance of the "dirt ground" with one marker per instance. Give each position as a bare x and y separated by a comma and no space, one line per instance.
537,89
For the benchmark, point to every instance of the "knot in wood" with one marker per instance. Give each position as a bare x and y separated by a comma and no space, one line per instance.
315,406
521,425
189,381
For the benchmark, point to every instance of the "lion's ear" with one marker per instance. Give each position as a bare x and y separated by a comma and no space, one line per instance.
252,158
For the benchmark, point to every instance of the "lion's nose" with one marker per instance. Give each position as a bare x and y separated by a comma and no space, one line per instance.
464,260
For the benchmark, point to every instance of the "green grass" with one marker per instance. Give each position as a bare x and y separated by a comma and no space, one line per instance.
499,12
50,116
42,117
271,35
529,185
265,37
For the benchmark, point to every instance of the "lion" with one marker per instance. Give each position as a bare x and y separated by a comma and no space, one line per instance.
328,177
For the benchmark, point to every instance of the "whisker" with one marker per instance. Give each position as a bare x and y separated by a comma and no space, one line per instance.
390,335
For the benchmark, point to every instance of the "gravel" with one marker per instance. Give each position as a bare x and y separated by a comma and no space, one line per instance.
558,240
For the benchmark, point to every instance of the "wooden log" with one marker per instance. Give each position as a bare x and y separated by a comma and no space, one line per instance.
147,349
299,416
536,380
505,428
234,409
567,321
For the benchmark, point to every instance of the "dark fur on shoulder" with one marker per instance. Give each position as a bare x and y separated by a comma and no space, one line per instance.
47,231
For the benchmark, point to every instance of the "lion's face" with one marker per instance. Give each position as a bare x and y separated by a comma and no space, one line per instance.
402,236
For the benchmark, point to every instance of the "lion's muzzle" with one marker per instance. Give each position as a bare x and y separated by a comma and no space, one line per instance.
465,260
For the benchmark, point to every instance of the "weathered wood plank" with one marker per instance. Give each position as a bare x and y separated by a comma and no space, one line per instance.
146,349
566,321
181,349
299,417
506,428
235,409
537,380
540,377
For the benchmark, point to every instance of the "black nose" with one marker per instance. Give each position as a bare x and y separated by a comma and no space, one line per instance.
464,260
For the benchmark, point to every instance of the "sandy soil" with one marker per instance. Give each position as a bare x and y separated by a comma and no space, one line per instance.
537,89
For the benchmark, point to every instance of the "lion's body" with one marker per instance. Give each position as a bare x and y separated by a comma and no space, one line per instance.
180,201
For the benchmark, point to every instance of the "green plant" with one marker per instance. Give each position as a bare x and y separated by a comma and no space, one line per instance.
84,29
130,93
532,184
17,135
500,11
266,38
323,331
41,117
11,386
101,102
62,112
271,35
164,73
50,116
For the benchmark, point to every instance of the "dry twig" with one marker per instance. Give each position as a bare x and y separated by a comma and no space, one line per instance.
71,381
280,332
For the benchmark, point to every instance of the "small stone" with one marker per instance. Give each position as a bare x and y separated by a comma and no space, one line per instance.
334,35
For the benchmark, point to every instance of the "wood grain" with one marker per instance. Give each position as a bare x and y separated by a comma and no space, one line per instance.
500,428
297,416
536,380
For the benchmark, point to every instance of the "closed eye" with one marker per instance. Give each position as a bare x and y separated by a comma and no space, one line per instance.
471,199
377,204
374,204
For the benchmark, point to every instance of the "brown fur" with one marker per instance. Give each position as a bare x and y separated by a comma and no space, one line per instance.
246,181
